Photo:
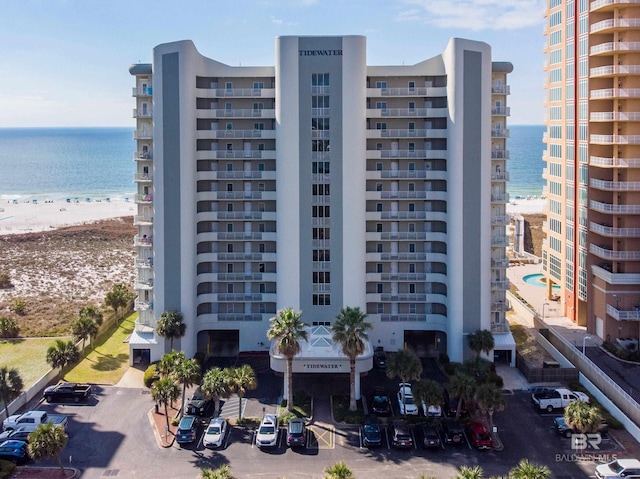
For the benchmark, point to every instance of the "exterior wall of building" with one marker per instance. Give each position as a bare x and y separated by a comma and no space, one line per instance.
337,185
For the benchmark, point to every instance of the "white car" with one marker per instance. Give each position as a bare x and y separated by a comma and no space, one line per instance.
267,435
405,400
432,411
215,433
629,468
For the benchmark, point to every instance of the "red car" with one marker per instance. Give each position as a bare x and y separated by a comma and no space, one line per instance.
479,436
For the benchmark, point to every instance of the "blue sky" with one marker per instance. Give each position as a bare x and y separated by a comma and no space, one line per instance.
65,62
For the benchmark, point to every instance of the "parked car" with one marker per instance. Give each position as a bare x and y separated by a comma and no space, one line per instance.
215,433
479,436
296,433
380,358
34,417
187,429
401,434
14,451
380,403
405,400
198,405
452,432
562,428
267,435
556,399
430,437
371,432
19,434
435,410
629,468
67,392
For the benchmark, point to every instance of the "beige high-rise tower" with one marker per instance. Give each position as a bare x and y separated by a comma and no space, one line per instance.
592,249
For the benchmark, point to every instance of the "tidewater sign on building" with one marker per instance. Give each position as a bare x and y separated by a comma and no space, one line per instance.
320,53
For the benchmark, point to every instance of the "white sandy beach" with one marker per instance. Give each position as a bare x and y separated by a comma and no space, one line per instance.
527,207
16,218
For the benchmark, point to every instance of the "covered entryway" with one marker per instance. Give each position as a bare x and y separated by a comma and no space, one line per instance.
219,343
504,348
425,344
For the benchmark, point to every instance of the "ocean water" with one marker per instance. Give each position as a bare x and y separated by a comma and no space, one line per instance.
58,163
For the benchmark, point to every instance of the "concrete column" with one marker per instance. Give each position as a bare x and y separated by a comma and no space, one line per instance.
358,395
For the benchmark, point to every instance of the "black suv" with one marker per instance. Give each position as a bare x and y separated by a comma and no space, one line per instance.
401,434
380,403
452,432
380,357
198,405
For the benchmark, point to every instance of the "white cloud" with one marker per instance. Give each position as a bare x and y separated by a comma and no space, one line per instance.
474,14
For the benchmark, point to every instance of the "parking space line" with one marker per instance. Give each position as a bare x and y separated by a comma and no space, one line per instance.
324,436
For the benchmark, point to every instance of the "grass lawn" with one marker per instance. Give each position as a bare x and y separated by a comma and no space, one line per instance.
108,360
27,356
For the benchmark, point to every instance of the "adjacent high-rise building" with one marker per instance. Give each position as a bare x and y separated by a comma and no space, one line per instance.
591,256
321,183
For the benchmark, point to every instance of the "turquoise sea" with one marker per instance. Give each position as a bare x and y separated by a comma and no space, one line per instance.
58,163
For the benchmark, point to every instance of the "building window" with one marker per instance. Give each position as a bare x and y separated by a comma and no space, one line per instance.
381,84
380,308
378,146
230,248
412,227
378,166
381,105
320,79
378,206
261,227
258,106
229,206
412,268
412,288
229,227
378,247
262,288
227,106
261,248
258,85
379,268
260,186
379,288
229,186
412,206
412,85
381,125
261,165
258,126
263,308
228,85
378,186
378,227
230,268
412,247
230,288
261,267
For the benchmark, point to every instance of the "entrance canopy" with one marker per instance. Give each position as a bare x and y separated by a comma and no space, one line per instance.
319,354
505,342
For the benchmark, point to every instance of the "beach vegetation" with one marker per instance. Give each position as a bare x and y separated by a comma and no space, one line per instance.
529,470
8,327
171,325
215,385
5,281
164,391
62,353
84,328
92,312
118,297
185,371
47,442
11,386
338,471
481,341
19,306
223,472
150,375
7,469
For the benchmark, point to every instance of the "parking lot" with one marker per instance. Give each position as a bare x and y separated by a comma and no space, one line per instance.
112,436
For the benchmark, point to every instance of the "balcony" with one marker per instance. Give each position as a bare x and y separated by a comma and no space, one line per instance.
501,133
500,89
142,92
610,93
236,195
142,178
407,235
236,92
142,156
406,112
500,285
145,285
500,154
500,220
608,116
497,328
504,176
614,162
236,113
403,317
501,111
614,209
236,236
611,232
407,195
611,47
606,4
403,154
236,175
501,263
500,198
235,134
142,135
611,70
410,92
236,215
615,139
142,220
144,113
614,24
239,317
614,185
142,242
623,315
397,133
405,174
609,254
141,305
143,199
499,241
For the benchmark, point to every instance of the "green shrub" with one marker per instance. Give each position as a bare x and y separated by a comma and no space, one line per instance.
6,469
5,281
151,375
19,306
175,421
8,328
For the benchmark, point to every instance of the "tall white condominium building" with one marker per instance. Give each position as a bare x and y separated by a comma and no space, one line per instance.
321,183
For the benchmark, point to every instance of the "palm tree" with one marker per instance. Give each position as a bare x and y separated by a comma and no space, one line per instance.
461,386
529,470
47,442
187,373
165,391
118,297
350,330
241,380
10,386
223,472
92,312
481,341
215,385
170,325
489,399
338,471
404,365
84,327
582,417
287,329
470,472
62,353
428,392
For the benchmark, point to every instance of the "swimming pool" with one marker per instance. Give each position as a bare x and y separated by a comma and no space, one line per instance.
537,279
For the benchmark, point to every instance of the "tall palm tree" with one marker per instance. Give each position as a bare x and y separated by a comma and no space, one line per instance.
241,380
187,373
404,365
118,297
470,472
529,470
490,399
165,391
10,386
582,417
171,325
428,392
481,341
62,353
47,442
215,385
223,472
84,328
461,386
92,312
351,330
287,329
338,471
170,362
